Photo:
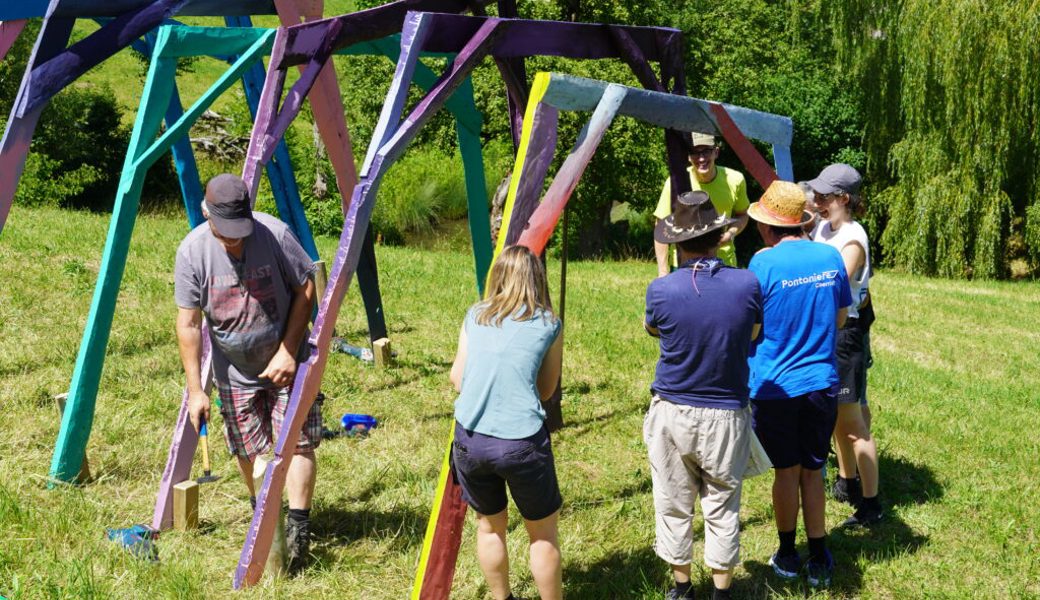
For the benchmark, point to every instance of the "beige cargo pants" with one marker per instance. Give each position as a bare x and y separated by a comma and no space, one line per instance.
695,452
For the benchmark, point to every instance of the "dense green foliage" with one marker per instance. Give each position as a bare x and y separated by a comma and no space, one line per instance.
950,99
79,145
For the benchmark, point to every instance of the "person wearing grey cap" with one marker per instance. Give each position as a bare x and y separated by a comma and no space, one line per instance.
837,199
726,188
248,276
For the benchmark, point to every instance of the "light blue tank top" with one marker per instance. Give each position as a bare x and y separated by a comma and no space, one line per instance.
499,384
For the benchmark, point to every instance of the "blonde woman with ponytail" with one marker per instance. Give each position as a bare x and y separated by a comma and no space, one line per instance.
508,362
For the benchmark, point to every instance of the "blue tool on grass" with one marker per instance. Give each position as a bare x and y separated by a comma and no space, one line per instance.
358,425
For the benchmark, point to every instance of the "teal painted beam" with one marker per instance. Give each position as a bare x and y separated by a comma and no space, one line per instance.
78,418
144,150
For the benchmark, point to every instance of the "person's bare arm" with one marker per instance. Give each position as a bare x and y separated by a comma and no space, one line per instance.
458,368
661,254
735,229
854,257
189,343
549,372
281,369
651,329
755,330
843,313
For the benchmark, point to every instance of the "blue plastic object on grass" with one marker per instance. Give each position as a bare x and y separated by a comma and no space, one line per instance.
355,424
137,540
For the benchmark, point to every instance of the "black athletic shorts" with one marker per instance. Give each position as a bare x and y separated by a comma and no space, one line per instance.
796,431
852,363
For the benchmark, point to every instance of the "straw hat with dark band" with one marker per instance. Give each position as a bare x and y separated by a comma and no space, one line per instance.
694,216
783,205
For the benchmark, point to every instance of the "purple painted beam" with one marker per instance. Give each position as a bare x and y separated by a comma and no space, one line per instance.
309,374
364,25
14,148
535,169
9,32
57,73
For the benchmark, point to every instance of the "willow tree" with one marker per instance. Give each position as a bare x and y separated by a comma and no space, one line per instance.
950,98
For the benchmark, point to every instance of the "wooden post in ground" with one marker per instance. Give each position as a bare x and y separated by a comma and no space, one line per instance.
84,469
186,505
321,280
381,353
277,561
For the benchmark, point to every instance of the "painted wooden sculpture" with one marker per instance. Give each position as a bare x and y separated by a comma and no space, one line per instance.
472,39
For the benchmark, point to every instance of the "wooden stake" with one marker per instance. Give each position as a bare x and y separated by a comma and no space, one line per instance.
381,353
277,561
321,280
84,469
186,505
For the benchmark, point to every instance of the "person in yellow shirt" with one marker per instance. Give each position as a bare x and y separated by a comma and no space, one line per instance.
727,190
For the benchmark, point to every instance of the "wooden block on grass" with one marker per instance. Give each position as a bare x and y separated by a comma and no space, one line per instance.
84,469
186,505
381,353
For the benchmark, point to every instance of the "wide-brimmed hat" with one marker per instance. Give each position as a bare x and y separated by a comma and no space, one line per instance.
783,205
694,216
838,178
227,201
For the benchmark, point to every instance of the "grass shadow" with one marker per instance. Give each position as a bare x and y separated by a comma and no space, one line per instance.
331,526
905,483
636,574
580,427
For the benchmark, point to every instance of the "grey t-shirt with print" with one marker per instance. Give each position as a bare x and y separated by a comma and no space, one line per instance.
246,302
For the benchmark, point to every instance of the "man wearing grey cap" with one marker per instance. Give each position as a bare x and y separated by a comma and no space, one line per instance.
249,277
726,188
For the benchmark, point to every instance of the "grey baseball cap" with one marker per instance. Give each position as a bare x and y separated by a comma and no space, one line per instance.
227,200
837,178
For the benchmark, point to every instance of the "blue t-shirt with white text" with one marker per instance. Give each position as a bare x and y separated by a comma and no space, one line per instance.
804,285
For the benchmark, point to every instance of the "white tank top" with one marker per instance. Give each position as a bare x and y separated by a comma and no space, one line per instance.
849,232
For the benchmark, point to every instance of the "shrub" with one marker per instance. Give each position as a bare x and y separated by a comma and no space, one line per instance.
77,152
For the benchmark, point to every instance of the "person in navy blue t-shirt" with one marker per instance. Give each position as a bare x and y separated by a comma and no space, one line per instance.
698,430
794,374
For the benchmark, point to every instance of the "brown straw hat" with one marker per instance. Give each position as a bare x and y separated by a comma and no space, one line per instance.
783,205
694,216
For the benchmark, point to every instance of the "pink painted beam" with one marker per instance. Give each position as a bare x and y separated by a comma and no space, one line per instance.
182,450
326,104
543,221
9,32
753,161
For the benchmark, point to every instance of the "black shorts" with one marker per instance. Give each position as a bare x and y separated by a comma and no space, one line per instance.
485,465
796,431
852,363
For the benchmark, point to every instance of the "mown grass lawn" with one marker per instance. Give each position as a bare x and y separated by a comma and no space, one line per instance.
954,391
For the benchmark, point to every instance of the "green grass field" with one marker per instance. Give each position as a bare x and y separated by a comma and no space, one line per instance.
954,392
